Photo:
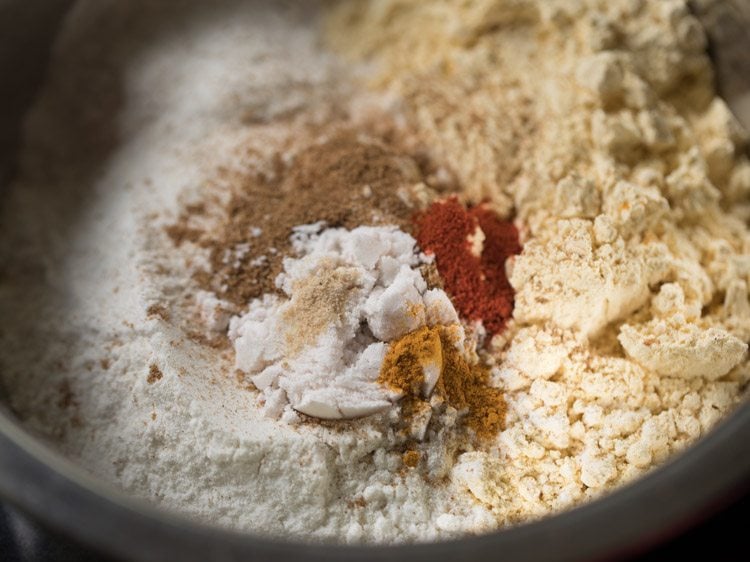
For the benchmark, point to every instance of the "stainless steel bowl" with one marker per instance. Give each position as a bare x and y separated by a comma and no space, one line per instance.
66,500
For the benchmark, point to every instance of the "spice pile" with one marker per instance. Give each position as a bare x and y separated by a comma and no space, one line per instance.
430,358
327,317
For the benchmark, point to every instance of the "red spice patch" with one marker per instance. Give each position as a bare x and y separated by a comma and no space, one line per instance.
477,285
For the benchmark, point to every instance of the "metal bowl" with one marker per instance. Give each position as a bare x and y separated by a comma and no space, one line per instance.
64,499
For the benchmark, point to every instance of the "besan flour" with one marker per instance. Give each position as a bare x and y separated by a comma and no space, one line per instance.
624,173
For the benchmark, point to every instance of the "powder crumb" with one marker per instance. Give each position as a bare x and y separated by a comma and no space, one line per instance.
158,310
154,374
411,458
679,349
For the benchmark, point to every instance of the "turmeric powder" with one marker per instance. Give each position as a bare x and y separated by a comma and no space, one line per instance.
411,361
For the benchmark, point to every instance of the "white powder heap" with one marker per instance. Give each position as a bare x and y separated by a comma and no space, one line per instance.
350,293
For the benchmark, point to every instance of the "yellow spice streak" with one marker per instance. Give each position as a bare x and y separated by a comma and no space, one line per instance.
464,386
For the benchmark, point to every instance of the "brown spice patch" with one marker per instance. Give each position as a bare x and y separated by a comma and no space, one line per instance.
154,374
180,233
67,401
404,362
158,310
359,502
243,380
218,341
104,364
464,386
196,208
348,180
467,386
411,458
240,376
431,276
67,397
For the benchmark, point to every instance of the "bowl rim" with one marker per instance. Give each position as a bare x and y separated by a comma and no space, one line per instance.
689,487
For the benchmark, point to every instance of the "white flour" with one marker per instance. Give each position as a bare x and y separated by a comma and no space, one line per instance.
319,352
83,263
631,318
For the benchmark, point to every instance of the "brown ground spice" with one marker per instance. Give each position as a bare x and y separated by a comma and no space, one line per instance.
411,458
154,373
67,396
464,386
158,310
348,180
467,386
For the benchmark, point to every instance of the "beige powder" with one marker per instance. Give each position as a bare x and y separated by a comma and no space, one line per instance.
317,302
596,123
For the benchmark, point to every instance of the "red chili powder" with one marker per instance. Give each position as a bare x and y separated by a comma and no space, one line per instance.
477,286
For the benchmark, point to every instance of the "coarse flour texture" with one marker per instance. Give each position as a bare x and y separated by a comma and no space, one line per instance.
595,122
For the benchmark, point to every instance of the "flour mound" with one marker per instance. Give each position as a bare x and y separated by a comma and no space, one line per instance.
319,350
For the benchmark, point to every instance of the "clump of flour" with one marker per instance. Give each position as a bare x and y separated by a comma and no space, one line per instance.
321,348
